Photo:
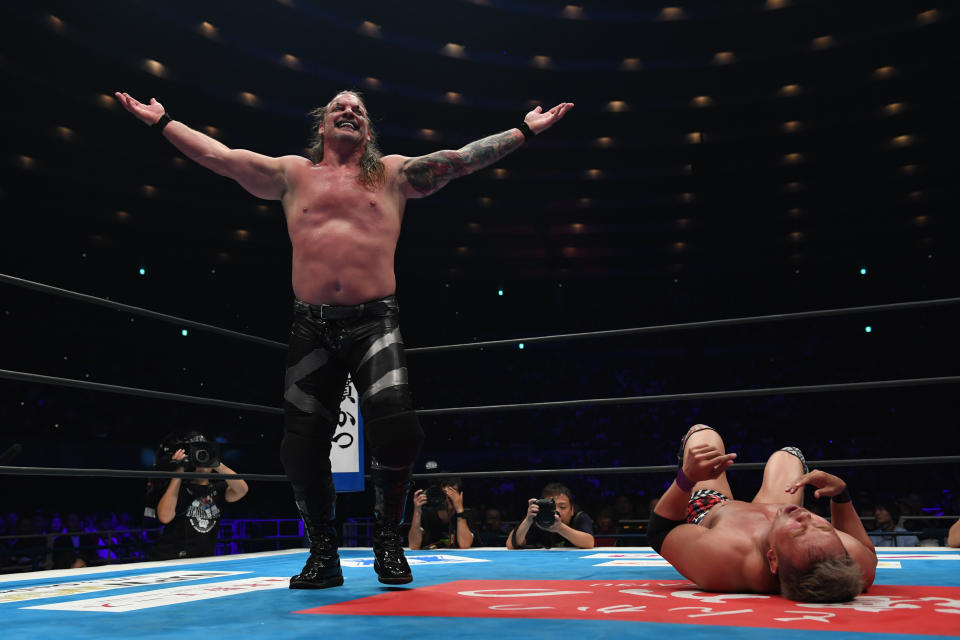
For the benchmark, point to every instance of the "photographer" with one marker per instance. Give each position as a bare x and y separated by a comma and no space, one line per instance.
439,519
552,521
190,511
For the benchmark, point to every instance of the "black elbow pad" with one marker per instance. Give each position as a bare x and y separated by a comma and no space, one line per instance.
658,529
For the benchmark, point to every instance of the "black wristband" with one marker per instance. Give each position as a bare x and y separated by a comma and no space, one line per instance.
843,496
162,122
526,131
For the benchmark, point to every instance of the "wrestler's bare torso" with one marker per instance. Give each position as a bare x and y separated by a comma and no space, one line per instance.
740,529
344,234
732,553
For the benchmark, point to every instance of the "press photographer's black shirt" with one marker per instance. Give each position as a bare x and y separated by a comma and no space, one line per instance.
193,531
538,538
436,532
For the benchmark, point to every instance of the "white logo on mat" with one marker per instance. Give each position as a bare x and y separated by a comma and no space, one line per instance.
168,596
35,592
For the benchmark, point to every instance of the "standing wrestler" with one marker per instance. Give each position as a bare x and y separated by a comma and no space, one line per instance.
343,208
769,545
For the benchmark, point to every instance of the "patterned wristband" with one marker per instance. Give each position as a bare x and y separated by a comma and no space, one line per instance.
685,483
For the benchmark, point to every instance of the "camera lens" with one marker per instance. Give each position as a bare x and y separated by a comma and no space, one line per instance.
547,514
435,497
202,456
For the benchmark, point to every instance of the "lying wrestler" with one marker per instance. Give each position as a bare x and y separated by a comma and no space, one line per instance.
343,208
769,545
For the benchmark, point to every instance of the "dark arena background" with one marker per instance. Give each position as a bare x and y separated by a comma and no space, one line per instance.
725,159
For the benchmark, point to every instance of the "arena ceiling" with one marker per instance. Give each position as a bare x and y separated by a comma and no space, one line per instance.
747,142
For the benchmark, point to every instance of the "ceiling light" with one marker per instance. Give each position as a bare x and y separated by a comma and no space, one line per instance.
155,68
671,13
369,28
453,50
723,57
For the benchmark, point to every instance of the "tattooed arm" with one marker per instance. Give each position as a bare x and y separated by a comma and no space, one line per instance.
427,174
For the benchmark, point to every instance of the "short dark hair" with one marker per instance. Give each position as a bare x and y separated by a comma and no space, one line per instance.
451,482
556,489
891,507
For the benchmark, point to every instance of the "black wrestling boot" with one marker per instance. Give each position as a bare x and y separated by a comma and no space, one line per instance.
390,488
322,569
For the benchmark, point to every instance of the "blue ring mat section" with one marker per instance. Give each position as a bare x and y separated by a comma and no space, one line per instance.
271,613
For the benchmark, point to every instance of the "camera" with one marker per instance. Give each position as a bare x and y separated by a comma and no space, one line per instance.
547,514
436,499
200,452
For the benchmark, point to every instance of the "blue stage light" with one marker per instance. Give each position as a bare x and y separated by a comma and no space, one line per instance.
520,345
183,332
863,271
499,292
143,271
868,329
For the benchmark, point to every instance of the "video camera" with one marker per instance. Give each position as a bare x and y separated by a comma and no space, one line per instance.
200,451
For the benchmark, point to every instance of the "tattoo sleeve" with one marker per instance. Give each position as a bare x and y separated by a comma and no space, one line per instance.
427,174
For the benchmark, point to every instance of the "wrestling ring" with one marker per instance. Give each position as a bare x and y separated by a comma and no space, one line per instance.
474,593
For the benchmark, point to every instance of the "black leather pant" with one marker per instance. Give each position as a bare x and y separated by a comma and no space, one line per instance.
326,344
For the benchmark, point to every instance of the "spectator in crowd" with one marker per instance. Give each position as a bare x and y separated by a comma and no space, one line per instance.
108,544
127,537
606,529
568,527
191,511
41,521
440,520
29,550
911,512
494,531
887,515
56,524
624,509
75,547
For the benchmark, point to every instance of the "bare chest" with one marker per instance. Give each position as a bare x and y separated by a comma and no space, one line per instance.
749,518
322,197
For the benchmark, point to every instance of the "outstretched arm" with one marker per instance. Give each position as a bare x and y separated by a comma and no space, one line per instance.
261,175
427,174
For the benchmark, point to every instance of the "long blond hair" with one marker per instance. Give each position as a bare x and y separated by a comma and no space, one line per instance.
372,172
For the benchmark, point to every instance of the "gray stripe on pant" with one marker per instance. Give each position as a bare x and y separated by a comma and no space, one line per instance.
393,378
